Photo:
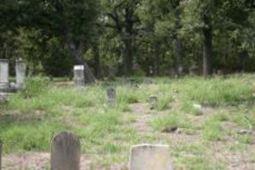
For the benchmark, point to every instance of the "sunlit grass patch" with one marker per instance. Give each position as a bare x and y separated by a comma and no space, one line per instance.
212,130
171,121
215,91
28,136
193,156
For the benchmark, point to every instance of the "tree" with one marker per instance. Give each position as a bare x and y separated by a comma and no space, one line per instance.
164,17
207,16
121,16
70,21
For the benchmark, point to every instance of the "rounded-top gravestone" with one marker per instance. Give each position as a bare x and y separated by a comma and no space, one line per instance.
65,152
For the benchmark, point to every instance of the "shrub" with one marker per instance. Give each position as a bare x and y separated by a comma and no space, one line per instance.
34,86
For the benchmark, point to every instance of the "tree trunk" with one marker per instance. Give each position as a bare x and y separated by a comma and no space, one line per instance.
156,59
77,51
207,47
97,61
178,55
128,56
178,46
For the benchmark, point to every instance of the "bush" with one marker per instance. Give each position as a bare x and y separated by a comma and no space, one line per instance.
34,86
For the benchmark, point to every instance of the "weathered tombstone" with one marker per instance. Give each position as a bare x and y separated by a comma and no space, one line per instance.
111,95
65,152
150,157
4,74
20,73
153,102
79,79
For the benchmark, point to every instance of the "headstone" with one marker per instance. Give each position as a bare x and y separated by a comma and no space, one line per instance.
65,152
4,74
79,79
153,102
150,157
20,73
111,95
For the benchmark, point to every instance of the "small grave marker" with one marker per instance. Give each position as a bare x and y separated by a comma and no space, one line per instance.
65,152
150,157
111,95
153,102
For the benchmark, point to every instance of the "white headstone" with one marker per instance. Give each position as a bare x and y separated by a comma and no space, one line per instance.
79,79
150,157
4,73
20,73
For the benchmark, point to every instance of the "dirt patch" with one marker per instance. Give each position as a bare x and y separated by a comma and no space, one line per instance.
35,161
143,117
41,161
234,160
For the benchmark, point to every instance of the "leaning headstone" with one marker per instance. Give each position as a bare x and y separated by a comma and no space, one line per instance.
111,95
65,152
79,79
150,157
20,73
4,74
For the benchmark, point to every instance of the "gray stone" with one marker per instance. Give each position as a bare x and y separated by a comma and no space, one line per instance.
199,109
20,73
79,78
150,157
153,101
111,95
3,98
65,152
4,74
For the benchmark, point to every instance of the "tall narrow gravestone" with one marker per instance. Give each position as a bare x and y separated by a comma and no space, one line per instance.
111,95
4,74
20,73
65,152
150,157
79,79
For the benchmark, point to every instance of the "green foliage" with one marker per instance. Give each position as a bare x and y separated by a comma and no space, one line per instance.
212,130
172,120
28,124
28,135
34,87
155,35
216,91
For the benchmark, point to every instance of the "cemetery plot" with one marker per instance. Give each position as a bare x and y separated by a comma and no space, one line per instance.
206,124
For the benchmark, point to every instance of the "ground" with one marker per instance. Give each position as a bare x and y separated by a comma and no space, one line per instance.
208,124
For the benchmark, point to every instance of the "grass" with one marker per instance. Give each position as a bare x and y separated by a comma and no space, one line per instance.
33,116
